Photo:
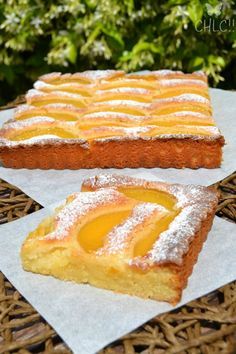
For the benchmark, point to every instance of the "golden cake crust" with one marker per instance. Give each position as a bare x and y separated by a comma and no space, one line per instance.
112,119
163,153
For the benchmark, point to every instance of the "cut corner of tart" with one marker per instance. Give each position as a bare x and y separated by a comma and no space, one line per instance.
125,234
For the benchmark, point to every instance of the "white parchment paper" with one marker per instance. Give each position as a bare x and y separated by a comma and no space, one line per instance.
49,186
88,318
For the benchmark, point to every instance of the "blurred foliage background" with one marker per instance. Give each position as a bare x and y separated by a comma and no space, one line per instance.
38,36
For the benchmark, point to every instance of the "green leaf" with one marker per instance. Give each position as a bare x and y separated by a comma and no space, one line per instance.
94,34
130,5
117,40
91,4
145,46
198,61
195,11
91,38
220,61
72,53
216,60
141,46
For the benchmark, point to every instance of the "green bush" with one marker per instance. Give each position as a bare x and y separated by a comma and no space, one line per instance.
39,36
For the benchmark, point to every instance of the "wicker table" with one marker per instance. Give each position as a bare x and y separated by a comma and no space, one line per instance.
206,325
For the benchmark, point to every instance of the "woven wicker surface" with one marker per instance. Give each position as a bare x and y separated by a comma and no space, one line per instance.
206,325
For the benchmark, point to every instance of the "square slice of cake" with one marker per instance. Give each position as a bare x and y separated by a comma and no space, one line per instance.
125,234
113,119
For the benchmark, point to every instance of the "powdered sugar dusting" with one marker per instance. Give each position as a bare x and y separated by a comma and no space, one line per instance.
40,85
187,113
167,72
115,132
101,74
125,90
179,82
172,73
43,139
119,238
123,102
62,106
212,130
50,76
195,202
106,134
137,130
182,129
66,94
19,124
34,93
46,109
157,73
115,115
174,242
81,205
60,78
44,86
152,132
186,97
60,94
105,180
23,108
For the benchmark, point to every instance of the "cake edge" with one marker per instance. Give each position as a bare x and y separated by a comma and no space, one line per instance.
163,152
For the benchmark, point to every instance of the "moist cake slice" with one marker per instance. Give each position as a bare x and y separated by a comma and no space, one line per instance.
125,234
112,119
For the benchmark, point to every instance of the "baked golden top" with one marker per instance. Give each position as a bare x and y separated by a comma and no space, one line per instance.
109,104
138,222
